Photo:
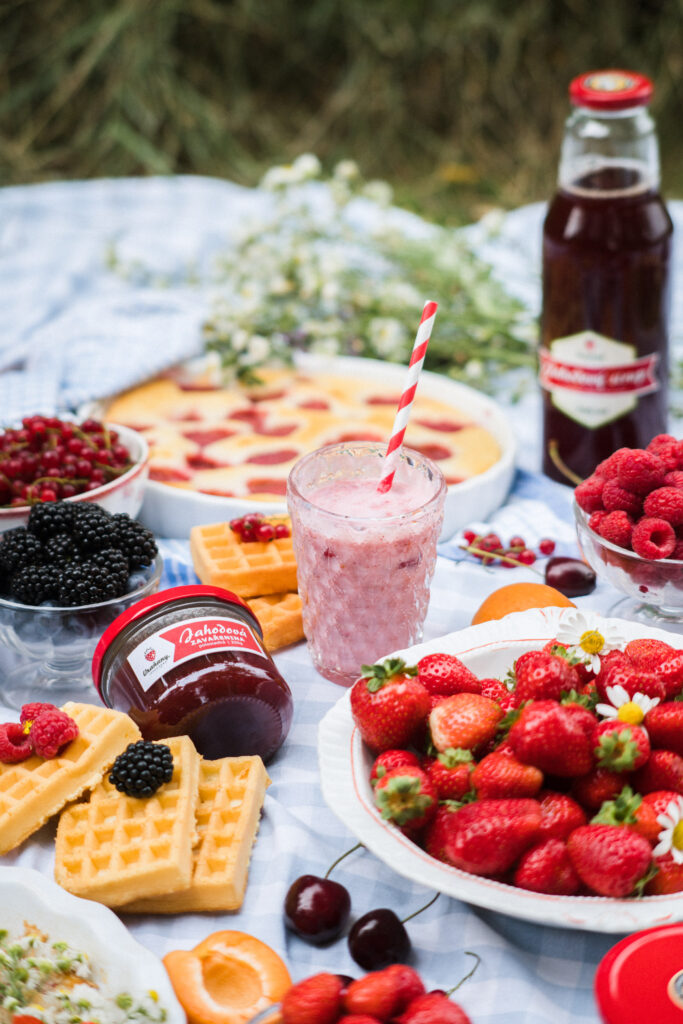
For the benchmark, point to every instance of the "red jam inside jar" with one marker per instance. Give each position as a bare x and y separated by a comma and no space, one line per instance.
191,660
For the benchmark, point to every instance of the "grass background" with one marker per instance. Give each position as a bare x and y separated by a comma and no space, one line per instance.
458,103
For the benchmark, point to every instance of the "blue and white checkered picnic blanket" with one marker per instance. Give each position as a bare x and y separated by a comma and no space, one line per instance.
54,288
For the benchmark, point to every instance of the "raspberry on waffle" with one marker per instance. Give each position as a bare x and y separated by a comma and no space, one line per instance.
242,441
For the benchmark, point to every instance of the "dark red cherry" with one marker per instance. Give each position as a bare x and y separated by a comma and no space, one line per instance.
316,909
570,576
378,939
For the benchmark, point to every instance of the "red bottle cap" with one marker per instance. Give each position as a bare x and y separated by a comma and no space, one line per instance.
641,978
610,90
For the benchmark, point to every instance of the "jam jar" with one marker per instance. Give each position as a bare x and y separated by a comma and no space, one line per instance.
191,660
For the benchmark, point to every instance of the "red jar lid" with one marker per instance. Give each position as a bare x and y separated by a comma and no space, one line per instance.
641,978
610,90
162,597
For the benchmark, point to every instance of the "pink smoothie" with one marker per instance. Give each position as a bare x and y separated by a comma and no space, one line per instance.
365,561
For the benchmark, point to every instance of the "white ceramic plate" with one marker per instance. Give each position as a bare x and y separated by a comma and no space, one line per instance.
488,649
125,965
172,512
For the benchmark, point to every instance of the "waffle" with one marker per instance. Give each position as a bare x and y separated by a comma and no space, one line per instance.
116,848
252,569
243,441
280,619
231,793
35,789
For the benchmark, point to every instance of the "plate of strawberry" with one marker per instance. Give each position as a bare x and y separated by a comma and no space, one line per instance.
532,765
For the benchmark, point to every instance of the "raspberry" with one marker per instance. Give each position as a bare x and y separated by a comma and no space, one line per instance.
674,478
641,471
617,528
665,503
596,519
666,448
616,498
15,745
677,553
51,731
30,712
608,467
653,538
589,494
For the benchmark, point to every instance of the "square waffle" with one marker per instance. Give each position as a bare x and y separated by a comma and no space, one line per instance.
231,792
35,789
280,618
251,569
115,848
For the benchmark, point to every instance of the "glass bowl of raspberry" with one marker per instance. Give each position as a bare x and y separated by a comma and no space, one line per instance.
49,459
652,586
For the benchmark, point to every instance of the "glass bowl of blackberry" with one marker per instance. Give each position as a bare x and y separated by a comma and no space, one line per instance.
65,577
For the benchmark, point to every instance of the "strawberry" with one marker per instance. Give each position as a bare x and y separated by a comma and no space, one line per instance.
433,1008
465,720
500,775
633,681
562,651
560,815
612,662
553,737
598,785
392,759
648,655
669,877
358,1018
445,674
385,993
664,723
542,676
652,805
495,690
406,796
486,837
620,747
439,833
671,674
547,868
317,1000
388,705
610,859
664,770
450,773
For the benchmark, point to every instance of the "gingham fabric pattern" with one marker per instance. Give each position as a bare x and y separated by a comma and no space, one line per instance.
52,239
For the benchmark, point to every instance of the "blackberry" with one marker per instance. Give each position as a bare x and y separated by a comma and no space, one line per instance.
142,768
136,541
50,518
59,549
34,584
81,583
93,530
115,564
18,548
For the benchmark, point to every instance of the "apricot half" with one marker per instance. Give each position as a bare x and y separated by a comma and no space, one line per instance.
227,979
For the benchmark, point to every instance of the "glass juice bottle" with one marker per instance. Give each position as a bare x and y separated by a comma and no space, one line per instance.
606,281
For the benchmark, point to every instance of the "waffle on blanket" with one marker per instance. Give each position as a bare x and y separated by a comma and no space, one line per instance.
33,790
231,792
115,848
280,618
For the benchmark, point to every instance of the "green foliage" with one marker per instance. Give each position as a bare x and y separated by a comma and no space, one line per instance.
459,103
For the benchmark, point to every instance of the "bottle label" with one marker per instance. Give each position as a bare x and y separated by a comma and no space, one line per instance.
595,380
185,640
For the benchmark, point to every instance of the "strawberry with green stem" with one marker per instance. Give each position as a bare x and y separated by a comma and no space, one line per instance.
406,797
450,772
388,704
610,859
620,747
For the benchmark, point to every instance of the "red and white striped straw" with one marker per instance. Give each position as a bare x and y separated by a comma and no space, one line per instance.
398,431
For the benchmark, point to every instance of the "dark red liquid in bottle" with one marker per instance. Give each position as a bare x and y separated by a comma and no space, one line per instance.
606,257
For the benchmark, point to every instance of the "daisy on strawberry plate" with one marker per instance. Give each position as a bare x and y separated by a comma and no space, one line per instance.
531,765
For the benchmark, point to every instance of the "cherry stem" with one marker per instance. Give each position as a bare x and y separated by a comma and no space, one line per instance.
331,868
499,554
468,975
559,463
411,916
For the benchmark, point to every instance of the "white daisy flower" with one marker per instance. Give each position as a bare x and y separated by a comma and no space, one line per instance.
588,636
627,708
671,836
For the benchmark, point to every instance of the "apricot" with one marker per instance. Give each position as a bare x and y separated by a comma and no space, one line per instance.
227,979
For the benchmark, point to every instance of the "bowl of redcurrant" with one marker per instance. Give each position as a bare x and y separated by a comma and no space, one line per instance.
64,577
47,459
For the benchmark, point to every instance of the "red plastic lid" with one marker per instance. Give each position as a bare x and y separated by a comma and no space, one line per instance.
140,608
610,90
641,978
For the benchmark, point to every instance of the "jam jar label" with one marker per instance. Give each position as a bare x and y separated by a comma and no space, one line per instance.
185,640
594,379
